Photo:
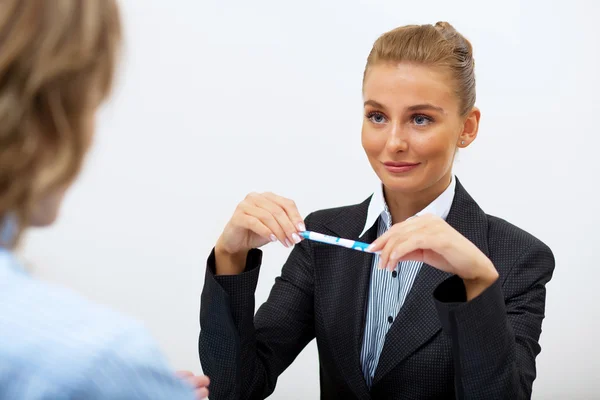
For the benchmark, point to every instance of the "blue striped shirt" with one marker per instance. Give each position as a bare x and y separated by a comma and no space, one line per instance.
388,291
55,345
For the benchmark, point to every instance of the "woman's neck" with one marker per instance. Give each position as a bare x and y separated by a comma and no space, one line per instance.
404,205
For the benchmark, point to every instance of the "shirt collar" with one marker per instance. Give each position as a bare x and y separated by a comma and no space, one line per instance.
378,207
8,228
8,260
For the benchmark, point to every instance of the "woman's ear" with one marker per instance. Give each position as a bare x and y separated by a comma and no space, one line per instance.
470,128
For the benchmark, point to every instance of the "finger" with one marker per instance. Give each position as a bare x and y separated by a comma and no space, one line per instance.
416,255
290,208
409,237
200,381
399,245
400,229
264,224
414,246
255,205
282,218
272,222
380,242
201,394
255,225
400,250
386,252
376,245
184,374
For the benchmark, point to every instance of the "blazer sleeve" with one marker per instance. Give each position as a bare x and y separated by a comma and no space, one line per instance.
242,353
495,335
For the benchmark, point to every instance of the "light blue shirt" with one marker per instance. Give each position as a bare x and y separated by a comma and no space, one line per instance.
388,290
56,345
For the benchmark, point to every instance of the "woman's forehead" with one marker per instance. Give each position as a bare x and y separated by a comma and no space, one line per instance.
397,84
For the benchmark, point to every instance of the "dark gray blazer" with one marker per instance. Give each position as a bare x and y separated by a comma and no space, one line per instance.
438,347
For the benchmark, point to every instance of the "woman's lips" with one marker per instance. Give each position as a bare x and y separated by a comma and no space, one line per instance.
400,167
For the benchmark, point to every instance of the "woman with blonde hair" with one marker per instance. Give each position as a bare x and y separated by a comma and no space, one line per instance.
448,302
57,62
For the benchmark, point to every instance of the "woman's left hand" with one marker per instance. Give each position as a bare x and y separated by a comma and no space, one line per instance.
430,239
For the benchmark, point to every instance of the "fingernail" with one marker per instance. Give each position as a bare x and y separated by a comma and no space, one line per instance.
273,238
288,243
296,238
370,248
393,256
301,227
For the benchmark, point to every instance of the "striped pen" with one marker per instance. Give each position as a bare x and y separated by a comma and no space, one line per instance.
336,241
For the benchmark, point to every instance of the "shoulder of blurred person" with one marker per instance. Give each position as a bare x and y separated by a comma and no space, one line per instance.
55,344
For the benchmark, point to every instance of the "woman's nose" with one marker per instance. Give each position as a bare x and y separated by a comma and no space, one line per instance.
396,139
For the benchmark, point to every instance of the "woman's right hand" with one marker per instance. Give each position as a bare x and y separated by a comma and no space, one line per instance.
257,220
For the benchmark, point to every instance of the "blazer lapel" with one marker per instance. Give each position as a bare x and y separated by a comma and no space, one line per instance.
417,320
344,303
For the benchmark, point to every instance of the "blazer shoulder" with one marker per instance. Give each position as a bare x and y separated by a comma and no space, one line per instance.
506,243
344,215
502,235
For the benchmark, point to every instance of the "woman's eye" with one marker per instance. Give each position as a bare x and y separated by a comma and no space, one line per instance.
376,118
422,120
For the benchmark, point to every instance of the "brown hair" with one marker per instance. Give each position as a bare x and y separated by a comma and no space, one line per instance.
437,45
57,62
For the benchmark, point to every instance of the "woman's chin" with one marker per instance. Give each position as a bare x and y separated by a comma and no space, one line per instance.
401,184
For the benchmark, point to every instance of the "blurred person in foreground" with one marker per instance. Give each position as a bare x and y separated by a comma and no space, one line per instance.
57,61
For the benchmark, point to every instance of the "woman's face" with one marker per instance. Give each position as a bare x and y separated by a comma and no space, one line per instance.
412,126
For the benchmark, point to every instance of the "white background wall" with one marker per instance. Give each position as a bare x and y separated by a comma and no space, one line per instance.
218,98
